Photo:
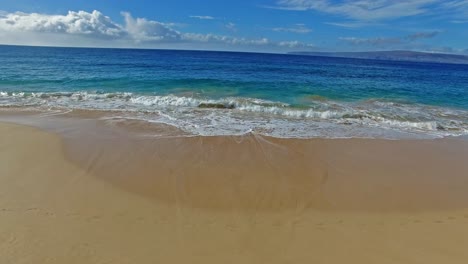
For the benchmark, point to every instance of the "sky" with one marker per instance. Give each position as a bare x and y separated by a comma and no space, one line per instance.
241,25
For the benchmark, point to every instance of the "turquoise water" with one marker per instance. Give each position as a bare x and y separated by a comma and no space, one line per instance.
222,93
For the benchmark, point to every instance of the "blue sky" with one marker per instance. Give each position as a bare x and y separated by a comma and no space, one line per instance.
254,25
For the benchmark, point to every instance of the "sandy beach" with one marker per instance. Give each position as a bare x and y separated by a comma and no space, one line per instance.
85,192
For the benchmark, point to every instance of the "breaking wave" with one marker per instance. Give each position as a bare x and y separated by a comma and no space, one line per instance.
235,115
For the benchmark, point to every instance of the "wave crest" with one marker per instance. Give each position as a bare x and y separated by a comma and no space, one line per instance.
234,115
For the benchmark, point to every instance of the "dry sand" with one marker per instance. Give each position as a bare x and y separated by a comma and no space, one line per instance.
119,199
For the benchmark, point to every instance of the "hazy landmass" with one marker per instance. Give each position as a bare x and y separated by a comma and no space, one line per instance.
398,55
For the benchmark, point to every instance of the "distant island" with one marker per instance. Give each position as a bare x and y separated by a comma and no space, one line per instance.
396,55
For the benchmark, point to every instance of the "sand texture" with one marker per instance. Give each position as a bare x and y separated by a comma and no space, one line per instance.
114,198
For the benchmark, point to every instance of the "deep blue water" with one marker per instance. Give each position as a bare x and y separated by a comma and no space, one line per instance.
290,88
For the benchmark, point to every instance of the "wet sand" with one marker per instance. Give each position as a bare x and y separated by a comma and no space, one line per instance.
112,193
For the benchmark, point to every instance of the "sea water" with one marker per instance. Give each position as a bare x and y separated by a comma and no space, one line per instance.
227,93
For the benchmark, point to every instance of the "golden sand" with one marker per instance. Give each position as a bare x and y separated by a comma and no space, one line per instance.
118,199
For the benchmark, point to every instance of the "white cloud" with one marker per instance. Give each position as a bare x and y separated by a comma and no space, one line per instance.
459,4
83,23
94,29
298,28
459,21
379,41
212,38
295,44
141,29
203,17
389,41
421,35
348,24
231,27
375,10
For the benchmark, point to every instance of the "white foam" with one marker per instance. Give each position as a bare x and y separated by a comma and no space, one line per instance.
251,115
165,101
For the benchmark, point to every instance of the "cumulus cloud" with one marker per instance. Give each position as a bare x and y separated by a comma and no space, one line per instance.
83,23
141,29
375,10
95,29
297,28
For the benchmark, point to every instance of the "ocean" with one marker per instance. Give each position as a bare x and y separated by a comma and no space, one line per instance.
227,93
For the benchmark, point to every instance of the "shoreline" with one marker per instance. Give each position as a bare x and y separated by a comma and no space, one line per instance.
311,117
254,172
26,115
86,191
